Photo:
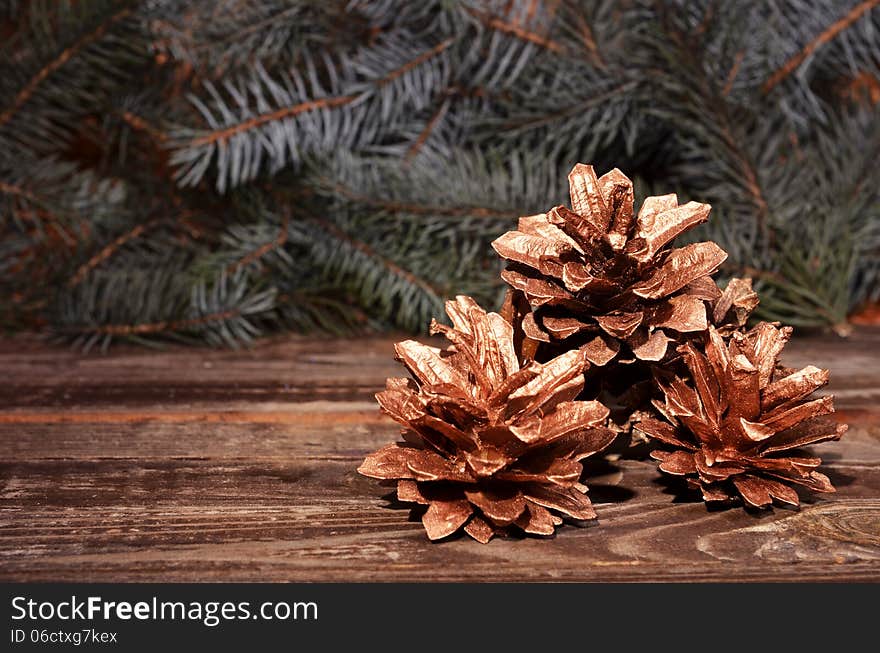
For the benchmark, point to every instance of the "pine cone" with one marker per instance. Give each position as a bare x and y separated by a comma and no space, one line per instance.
597,278
490,444
735,422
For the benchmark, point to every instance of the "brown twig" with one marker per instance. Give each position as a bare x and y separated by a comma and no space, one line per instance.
18,191
264,249
429,127
515,30
139,124
36,215
589,41
734,71
417,61
279,114
750,177
28,90
108,251
792,64
532,11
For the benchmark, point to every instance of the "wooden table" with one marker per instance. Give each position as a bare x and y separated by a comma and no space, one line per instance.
206,465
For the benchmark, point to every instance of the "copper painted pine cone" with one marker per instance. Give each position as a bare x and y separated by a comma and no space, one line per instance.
598,277
491,445
735,422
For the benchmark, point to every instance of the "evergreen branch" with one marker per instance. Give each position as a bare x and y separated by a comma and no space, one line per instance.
429,127
416,133
18,191
158,327
108,251
573,110
589,41
419,209
829,34
371,253
417,61
734,71
140,124
63,57
313,105
279,114
705,97
264,249
500,25
248,29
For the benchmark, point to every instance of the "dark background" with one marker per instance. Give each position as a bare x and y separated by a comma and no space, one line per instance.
215,170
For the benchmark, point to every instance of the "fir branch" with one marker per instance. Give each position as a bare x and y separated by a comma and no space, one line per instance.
108,251
435,118
416,133
63,57
829,34
157,327
279,114
734,71
140,124
415,62
519,124
387,206
18,191
264,249
368,251
316,104
247,29
522,33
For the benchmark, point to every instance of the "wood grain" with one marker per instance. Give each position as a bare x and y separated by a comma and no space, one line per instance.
202,465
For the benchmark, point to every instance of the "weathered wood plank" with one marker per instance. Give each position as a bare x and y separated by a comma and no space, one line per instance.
295,369
218,465
316,518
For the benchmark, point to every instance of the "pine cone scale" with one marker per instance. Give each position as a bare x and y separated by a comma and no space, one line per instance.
676,462
659,229
683,313
782,419
409,491
794,386
620,325
587,200
759,492
569,501
805,434
680,268
537,520
443,518
502,508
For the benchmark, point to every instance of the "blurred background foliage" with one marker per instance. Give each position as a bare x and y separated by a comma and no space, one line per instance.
211,170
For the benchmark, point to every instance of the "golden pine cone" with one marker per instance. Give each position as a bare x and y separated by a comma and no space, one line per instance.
490,444
600,278
734,424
